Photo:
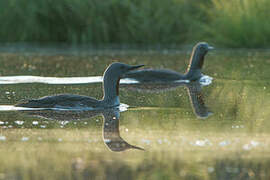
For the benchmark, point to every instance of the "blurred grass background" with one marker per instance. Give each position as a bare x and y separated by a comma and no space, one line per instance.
231,23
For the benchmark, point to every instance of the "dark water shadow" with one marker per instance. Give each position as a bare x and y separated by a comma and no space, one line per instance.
110,130
194,90
196,98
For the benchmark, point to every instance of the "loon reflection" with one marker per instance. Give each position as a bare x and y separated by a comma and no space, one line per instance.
111,133
194,90
193,72
196,97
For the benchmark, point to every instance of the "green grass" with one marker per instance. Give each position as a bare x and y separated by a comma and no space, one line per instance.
232,23
237,23
96,22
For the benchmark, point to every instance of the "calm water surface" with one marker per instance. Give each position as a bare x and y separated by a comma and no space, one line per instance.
169,131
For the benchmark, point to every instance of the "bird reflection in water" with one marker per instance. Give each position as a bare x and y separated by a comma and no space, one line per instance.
194,90
111,133
196,97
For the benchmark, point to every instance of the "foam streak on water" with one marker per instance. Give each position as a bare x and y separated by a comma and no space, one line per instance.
14,108
57,80
49,80
205,80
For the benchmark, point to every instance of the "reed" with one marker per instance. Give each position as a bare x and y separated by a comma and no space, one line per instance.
232,23
96,22
238,23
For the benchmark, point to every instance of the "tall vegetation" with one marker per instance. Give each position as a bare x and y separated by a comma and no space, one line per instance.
240,23
232,23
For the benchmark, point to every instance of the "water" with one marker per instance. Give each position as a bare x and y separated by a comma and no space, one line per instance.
181,130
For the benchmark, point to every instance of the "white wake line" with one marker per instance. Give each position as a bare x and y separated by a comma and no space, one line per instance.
57,80
49,80
14,108
205,80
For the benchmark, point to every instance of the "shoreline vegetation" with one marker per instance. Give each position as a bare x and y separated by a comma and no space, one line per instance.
232,23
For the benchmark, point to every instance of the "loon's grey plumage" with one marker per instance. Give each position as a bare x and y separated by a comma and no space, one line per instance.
163,75
111,80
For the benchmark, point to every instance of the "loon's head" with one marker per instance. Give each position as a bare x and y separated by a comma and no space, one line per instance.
196,61
202,48
117,69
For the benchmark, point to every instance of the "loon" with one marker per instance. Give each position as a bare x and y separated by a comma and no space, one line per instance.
111,78
163,75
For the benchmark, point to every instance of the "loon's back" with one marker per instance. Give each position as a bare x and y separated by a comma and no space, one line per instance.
61,101
154,75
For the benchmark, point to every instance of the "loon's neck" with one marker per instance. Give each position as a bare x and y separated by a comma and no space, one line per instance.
195,65
111,91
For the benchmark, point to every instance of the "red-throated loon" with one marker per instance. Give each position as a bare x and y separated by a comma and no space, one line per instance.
163,75
111,78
